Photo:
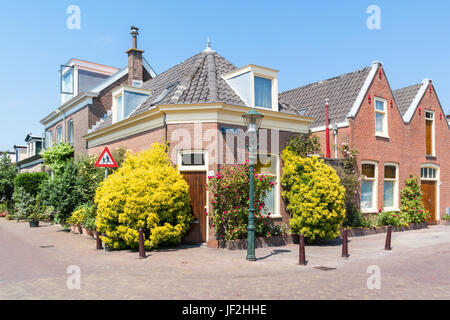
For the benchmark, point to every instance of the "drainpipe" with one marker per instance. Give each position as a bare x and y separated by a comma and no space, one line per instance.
327,130
64,127
165,130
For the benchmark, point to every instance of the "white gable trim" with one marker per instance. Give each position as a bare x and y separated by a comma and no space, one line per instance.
148,67
364,89
415,103
342,124
111,80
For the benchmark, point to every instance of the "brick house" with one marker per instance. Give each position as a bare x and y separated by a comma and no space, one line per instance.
396,132
86,97
196,107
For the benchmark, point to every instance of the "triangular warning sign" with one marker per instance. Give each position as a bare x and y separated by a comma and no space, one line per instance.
106,160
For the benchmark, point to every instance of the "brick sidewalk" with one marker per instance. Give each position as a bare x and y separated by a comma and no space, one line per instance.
33,265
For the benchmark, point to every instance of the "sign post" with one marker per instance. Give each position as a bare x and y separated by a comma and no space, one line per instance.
106,161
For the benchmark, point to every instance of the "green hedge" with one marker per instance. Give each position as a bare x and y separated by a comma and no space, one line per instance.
30,182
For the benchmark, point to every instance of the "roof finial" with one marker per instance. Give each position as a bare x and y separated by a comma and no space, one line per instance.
208,45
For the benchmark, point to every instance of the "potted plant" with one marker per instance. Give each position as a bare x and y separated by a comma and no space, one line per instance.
33,219
89,226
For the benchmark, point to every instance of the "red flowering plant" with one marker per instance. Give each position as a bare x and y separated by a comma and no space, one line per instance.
411,201
230,202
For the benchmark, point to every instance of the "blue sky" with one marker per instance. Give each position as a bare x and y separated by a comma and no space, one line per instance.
306,40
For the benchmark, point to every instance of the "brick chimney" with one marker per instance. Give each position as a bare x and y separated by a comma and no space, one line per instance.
134,60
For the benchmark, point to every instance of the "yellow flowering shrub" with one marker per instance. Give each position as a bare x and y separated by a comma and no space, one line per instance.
314,195
146,192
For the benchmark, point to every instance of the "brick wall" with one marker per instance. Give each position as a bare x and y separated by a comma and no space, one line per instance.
406,143
199,137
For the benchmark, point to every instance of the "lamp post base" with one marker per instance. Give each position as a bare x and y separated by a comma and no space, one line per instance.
251,258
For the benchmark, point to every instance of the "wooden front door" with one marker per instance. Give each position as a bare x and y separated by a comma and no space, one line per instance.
197,193
429,198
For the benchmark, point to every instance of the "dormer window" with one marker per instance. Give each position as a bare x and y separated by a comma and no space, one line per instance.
257,86
126,100
67,83
263,92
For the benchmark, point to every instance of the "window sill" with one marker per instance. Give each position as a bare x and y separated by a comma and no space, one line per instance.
371,210
381,135
430,157
391,209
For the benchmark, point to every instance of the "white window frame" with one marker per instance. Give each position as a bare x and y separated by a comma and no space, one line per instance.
257,71
374,187
271,90
68,132
120,92
277,213
61,138
433,144
182,167
395,200
49,139
385,132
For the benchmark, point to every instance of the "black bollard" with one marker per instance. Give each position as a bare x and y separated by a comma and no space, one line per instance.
141,244
387,246
302,258
344,244
99,241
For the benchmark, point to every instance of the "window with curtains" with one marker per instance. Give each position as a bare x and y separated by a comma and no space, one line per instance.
59,134
390,186
380,117
368,186
268,165
70,131
263,92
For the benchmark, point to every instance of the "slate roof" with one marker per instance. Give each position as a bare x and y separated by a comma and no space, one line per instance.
193,81
309,100
405,96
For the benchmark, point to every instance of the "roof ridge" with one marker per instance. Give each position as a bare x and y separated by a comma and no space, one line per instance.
188,78
410,86
326,80
212,77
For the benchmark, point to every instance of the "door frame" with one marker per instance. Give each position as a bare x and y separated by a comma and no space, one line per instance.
438,182
199,168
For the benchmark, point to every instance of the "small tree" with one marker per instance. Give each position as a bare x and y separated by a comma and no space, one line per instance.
314,195
146,192
411,201
30,182
62,192
230,202
305,144
56,158
8,172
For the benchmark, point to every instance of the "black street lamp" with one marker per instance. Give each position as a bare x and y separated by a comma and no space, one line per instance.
253,121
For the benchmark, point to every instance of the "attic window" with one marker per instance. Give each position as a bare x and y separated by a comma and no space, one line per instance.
126,100
164,94
263,92
257,86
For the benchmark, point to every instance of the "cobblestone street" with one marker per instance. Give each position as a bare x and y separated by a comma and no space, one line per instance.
33,265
